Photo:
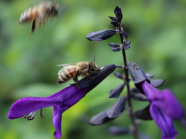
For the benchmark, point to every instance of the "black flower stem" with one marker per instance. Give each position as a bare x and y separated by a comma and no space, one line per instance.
126,81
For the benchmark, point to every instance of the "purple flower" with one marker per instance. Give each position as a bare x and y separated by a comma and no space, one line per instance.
164,107
61,101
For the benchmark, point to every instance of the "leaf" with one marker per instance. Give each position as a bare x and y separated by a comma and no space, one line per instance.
143,114
114,93
101,35
100,118
117,109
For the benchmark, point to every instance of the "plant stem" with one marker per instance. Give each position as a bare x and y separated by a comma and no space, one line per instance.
126,81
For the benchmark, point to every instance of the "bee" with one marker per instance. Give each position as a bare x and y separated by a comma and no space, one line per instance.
83,69
40,12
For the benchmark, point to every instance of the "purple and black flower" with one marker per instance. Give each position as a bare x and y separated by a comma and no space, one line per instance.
60,101
164,107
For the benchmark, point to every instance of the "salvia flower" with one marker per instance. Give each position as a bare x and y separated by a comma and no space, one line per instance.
164,106
61,101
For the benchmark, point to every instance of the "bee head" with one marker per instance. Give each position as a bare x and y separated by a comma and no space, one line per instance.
53,9
93,68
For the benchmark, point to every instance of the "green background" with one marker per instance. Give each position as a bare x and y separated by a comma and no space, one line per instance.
28,61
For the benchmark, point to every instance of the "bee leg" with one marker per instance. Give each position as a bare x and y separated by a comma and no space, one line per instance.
76,80
46,19
33,25
39,24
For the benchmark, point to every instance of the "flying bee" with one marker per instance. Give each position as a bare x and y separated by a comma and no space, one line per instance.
83,69
40,12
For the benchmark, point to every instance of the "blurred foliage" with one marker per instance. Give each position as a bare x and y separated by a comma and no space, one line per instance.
28,61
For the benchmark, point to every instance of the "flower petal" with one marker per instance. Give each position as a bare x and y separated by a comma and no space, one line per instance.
164,122
151,92
165,100
26,105
174,108
57,115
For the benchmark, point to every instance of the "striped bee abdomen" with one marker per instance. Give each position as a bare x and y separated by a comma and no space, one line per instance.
29,15
66,74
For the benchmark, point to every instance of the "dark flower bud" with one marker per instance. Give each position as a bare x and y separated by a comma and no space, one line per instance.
114,24
118,75
139,96
144,136
124,34
101,35
129,42
183,122
118,13
143,114
117,109
157,82
114,93
113,18
117,49
99,119
116,130
114,45
125,47
137,73
94,79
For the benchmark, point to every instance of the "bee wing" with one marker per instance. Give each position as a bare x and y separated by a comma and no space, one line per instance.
59,71
63,65
71,67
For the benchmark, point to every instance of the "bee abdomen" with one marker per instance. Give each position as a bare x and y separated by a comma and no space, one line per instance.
66,75
28,15
62,79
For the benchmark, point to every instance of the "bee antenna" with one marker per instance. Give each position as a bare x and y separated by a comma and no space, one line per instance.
94,58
